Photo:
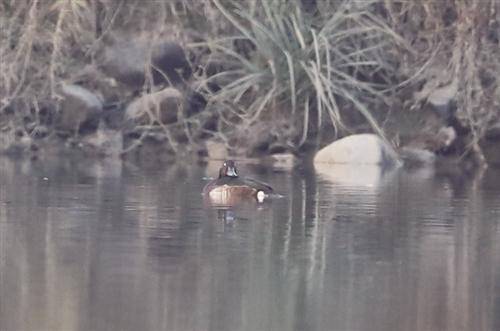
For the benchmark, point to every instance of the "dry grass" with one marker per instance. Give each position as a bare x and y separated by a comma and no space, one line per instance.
458,42
305,65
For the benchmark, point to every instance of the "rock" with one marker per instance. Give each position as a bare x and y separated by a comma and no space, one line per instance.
79,110
446,136
260,138
149,151
441,97
417,157
433,140
282,161
491,151
216,150
93,79
194,102
493,132
104,142
440,88
15,145
126,61
162,106
113,115
358,149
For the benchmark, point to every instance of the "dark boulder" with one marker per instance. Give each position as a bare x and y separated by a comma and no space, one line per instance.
126,61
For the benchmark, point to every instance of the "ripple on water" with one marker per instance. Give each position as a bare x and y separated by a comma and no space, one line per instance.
139,251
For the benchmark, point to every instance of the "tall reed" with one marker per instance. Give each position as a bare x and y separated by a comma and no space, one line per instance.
307,65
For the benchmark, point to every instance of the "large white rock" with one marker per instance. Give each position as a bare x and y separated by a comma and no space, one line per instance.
358,149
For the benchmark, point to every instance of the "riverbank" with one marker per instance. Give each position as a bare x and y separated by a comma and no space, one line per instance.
190,79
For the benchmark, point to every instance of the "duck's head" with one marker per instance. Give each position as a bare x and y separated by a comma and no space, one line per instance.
228,169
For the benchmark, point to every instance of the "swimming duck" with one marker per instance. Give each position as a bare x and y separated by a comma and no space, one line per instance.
230,188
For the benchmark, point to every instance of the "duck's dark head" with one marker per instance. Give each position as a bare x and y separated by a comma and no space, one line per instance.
228,169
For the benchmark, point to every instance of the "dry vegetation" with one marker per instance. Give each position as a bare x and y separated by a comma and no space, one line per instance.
274,73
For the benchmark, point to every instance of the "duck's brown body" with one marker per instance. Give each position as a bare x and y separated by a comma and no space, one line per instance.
230,189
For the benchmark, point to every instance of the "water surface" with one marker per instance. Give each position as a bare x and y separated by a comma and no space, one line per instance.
112,246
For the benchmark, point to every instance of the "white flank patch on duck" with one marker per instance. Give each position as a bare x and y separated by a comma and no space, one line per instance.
260,196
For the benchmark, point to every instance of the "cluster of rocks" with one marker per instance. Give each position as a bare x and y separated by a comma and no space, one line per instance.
434,134
138,92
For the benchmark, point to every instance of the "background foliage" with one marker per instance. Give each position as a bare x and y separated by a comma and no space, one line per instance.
293,73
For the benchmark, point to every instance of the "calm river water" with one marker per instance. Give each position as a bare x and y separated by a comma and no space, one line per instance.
115,246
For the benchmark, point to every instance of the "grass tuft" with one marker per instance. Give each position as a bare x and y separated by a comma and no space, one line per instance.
301,63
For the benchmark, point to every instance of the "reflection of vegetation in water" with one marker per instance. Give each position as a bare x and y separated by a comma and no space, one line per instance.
356,259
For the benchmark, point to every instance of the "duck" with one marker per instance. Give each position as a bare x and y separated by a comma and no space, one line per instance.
229,188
